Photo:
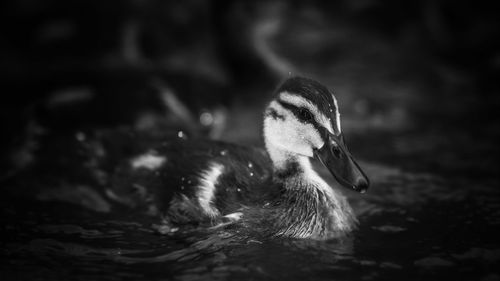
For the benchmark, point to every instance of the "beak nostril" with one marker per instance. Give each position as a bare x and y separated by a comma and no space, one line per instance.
335,151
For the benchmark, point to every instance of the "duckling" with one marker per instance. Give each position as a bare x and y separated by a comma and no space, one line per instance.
276,189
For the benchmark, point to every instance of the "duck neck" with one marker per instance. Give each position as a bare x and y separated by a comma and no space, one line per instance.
286,164
289,165
310,207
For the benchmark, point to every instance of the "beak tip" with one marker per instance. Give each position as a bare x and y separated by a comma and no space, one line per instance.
361,187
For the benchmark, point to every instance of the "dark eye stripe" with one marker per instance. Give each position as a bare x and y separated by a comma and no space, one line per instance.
296,111
274,114
305,115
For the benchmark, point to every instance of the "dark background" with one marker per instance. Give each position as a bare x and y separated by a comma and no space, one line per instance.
384,59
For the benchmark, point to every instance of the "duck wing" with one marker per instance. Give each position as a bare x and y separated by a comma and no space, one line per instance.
192,179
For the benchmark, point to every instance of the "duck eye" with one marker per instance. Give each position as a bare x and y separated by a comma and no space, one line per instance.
305,115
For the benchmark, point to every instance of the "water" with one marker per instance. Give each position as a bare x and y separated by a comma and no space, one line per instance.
414,224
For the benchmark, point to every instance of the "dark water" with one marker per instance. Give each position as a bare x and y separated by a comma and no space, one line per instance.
415,223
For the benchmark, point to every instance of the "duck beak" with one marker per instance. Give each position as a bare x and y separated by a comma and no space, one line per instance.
336,157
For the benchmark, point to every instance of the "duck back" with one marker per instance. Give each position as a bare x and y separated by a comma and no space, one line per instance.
193,180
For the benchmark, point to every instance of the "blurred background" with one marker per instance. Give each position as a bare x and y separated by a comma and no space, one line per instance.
208,67
418,89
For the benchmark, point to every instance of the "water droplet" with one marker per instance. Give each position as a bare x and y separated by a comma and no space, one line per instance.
183,179
251,174
182,187
238,189
181,135
189,181
206,119
250,165
223,152
80,136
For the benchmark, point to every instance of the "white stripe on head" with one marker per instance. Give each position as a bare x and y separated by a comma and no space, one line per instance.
337,115
206,190
299,102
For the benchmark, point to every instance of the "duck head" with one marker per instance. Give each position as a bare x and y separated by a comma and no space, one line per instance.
303,120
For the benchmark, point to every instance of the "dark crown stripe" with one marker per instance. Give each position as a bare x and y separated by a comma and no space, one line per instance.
311,90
